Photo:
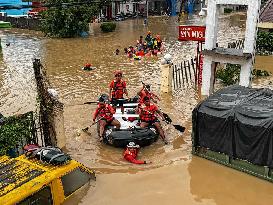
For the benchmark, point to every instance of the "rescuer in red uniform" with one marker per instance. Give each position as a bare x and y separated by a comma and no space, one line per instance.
117,88
105,113
130,154
147,114
146,91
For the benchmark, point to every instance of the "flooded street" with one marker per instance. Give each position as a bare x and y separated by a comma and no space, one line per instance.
175,175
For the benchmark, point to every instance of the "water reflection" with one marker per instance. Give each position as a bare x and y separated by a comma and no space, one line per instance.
63,59
226,186
18,91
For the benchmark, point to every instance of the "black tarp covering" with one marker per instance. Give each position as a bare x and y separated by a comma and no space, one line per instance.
237,121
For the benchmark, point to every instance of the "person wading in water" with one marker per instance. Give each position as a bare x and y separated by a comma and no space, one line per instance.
130,154
147,114
105,113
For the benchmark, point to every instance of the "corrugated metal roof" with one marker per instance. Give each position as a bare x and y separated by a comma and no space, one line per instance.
15,173
266,14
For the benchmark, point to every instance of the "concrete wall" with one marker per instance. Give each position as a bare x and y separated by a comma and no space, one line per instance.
211,38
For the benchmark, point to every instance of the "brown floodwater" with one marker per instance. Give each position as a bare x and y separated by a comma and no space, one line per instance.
175,176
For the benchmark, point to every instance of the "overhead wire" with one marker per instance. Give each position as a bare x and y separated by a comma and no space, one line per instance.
6,6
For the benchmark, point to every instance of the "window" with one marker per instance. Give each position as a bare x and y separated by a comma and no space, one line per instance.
74,180
39,198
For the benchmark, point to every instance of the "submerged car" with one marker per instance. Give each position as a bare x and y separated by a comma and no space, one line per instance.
25,181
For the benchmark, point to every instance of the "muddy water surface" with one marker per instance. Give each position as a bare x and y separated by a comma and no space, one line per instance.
174,176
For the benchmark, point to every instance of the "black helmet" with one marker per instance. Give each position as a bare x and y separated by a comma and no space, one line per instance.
103,98
148,86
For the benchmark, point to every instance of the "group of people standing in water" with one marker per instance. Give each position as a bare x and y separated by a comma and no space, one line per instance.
149,46
147,110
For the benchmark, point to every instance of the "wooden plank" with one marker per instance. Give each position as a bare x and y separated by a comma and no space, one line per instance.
182,73
185,69
189,69
193,65
173,76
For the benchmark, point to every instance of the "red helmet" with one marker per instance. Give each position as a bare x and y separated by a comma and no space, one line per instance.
118,72
87,65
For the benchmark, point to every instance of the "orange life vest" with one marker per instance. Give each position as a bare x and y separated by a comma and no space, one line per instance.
118,89
148,113
142,94
105,112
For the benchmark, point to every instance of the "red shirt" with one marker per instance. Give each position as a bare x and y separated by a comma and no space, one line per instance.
117,89
130,155
106,112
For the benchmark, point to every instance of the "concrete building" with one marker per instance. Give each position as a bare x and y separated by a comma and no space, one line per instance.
214,54
266,16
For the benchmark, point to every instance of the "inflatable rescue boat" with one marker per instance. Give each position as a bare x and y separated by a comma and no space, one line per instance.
130,130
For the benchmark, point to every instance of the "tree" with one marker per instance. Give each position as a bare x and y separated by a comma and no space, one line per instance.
67,20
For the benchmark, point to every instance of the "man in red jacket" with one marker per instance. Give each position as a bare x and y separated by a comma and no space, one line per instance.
147,113
105,114
146,91
130,154
117,88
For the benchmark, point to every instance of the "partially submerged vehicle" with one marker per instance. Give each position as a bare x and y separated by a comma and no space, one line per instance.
234,127
25,181
130,130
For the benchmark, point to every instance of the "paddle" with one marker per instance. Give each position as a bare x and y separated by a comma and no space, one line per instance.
92,102
169,121
85,129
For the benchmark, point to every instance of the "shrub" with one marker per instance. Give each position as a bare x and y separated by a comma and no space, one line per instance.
108,27
14,131
260,73
66,22
264,42
229,75
227,10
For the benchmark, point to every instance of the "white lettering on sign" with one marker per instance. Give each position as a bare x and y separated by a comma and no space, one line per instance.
197,34
185,34
193,34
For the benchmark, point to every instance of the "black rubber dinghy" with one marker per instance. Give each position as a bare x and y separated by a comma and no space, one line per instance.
130,130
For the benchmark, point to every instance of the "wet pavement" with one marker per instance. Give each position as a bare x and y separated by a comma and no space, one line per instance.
175,176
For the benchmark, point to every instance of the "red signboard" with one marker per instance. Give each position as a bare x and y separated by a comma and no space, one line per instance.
192,33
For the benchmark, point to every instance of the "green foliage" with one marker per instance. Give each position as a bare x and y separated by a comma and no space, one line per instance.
264,42
70,21
260,73
14,131
108,26
229,75
227,10
263,2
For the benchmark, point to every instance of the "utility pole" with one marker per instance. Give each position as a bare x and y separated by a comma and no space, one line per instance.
147,13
